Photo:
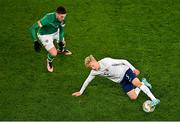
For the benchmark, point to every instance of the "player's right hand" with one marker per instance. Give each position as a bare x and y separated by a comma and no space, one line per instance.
77,94
37,46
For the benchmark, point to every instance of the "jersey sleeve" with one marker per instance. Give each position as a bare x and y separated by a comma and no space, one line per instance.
86,82
33,31
44,21
61,32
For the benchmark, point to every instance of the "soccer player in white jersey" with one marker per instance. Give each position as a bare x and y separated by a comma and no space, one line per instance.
119,71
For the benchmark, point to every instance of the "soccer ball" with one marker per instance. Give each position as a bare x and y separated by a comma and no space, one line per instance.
147,106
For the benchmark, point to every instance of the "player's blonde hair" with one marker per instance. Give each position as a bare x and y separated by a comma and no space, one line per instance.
88,59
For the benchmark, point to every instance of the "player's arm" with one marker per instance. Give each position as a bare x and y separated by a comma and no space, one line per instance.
34,28
136,71
61,31
40,23
85,84
61,41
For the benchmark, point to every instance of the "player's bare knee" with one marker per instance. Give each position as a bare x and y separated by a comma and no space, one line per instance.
133,98
136,82
54,53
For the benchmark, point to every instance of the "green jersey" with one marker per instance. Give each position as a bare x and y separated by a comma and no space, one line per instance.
49,24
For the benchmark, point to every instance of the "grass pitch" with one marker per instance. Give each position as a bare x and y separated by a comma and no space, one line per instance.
145,32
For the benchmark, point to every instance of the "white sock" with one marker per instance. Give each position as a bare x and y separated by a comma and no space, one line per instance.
146,90
137,90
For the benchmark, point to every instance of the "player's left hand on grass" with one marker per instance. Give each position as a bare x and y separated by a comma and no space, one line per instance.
136,71
37,46
77,94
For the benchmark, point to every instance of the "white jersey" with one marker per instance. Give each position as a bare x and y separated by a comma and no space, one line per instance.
113,69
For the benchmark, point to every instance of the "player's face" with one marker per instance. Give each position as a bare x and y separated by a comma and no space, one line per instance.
60,17
94,65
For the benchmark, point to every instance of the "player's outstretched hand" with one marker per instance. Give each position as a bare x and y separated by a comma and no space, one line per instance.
77,94
136,71
37,46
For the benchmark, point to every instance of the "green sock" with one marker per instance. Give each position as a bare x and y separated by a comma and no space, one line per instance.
50,57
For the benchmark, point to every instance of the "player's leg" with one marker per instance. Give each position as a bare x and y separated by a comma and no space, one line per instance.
62,48
132,95
127,85
146,83
132,92
47,41
136,82
61,45
50,57
128,88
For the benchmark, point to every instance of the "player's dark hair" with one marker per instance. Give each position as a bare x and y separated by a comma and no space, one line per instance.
61,10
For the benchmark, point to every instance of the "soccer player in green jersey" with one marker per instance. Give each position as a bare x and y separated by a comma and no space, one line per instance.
48,29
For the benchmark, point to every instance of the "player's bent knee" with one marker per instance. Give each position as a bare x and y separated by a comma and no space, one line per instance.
133,98
136,82
132,95
53,52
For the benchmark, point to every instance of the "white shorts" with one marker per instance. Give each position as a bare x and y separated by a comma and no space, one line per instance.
47,40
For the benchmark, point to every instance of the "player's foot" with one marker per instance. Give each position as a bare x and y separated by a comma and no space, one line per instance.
65,52
146,83
155,102
49,66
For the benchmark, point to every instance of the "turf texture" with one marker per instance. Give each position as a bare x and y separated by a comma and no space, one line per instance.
145,32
